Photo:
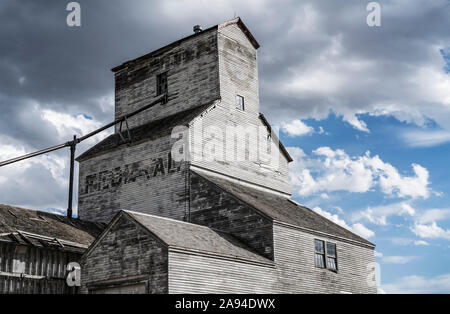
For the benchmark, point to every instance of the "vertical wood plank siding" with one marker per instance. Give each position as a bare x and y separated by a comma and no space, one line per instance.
39,262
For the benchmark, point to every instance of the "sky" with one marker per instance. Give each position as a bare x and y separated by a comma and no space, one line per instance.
364,111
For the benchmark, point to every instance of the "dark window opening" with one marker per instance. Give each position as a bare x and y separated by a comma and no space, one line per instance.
331,256
320,253
240,102
325,255
161,84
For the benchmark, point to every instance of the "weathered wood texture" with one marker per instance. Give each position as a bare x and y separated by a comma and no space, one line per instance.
296,271
140,177
212,207
26,269
127,251
192,75
189,273
238,76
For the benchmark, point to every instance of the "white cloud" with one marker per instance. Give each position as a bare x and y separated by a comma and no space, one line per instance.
41,182
68,125
419,285
426,138
356,228
377,254
334,170
296,128
407,241
433,215
398,259
378,215
431,231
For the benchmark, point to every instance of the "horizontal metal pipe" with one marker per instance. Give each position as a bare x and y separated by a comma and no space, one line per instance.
123,118
44,151
162,98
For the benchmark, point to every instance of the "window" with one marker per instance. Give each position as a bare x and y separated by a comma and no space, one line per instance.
240,102
325,254
320,253
161,84
331,256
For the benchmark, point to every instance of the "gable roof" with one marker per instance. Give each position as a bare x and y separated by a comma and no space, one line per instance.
148,131
165,48
36,228
195,238
282,209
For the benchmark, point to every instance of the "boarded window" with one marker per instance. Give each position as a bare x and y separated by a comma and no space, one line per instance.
320,253
240,102
161,84
19,261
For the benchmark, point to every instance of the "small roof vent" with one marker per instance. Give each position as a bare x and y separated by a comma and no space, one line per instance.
197,29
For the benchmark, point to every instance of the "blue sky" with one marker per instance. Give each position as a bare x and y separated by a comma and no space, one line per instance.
404,252
365,111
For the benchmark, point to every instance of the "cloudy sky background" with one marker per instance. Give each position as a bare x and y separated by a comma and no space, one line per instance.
364,111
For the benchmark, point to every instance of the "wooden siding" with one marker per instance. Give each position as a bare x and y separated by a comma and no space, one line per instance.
189,273
125,252
26,269
192,75
238,76
140,189
296,271
212,207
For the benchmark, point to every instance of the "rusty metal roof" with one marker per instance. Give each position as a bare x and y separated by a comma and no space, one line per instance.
196,238
36,228
281,208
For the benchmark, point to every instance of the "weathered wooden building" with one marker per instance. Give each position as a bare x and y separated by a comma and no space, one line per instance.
197,191
36,247
194,192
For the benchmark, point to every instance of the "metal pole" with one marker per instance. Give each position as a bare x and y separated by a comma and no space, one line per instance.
72,166
161,99
44,151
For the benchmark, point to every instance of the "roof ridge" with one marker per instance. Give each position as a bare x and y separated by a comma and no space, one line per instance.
166,218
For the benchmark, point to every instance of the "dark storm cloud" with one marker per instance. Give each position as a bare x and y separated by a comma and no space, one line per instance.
315,56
